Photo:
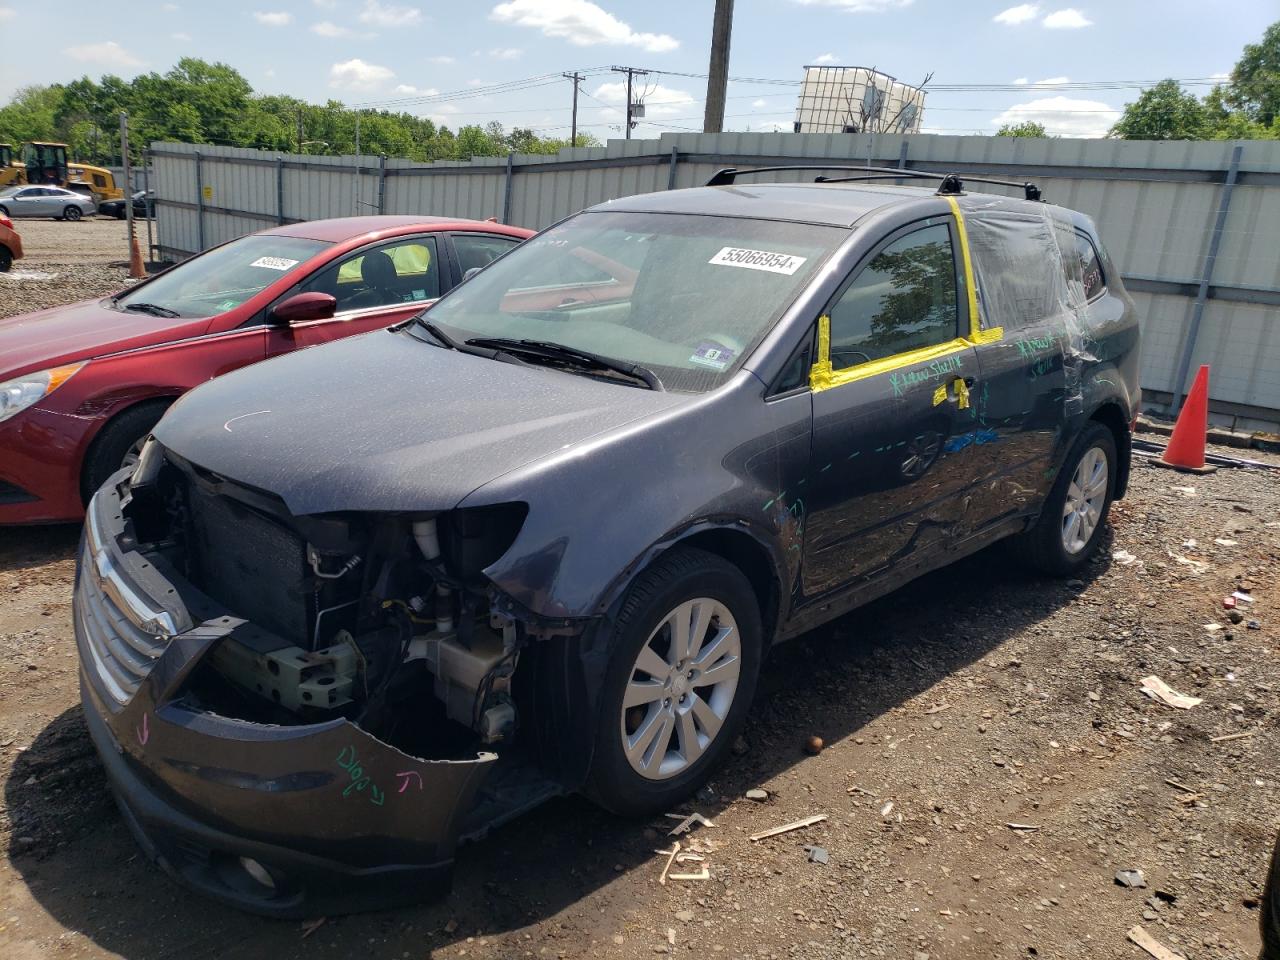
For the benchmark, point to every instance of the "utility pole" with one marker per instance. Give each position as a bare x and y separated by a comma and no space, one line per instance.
577,78
356,191
631,72
718,71
136,269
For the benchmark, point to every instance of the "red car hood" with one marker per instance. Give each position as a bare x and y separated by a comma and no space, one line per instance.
81,331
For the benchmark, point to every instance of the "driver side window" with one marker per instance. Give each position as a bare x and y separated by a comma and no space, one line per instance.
406,271
903,299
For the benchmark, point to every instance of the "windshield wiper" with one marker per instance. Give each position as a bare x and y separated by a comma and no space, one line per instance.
547,350
152,308
432,328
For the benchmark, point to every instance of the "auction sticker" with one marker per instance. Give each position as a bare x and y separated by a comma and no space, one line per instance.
713,355
275,263
758,260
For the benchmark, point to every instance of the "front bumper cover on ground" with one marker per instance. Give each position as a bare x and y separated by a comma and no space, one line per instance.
279,820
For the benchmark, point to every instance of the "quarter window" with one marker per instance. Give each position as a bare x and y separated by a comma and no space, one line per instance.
1090,266
904,299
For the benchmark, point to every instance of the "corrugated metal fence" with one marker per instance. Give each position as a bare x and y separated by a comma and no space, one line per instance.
1194,226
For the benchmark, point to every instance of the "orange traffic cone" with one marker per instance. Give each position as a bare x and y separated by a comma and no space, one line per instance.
136,270
1186,446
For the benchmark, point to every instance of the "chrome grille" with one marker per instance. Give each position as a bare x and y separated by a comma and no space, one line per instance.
122,653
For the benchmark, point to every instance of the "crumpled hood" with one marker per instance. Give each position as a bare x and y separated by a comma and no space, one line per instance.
80,331
386,422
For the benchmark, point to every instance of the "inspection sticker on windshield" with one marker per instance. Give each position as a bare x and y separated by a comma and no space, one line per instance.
713,355
275,263
758,260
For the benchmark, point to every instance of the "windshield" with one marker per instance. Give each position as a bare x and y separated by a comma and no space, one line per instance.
225,277
686,296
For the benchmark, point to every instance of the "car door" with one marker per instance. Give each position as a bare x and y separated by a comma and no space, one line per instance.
891,391
375,286
30,202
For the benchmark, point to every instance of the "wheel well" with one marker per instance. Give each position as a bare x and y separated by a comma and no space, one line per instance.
160,403
749,556
1112,417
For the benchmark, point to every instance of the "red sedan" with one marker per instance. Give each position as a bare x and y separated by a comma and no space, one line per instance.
82,385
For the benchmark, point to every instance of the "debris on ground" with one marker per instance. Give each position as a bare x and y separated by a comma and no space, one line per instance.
1157,689
1231,736
671,858
1152,945
813,746
817,854
311,926
1132,879
1022,826
758,795
1124,558
788,827
686,823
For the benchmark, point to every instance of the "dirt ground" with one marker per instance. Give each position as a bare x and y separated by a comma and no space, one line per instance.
64,262
975,699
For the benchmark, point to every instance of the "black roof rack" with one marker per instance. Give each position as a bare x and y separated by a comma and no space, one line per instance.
950,183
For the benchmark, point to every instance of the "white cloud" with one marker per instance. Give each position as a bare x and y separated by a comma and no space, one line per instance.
325,4
757,104
581,22
1068,19
7,13
1019,14
169,7
774,126
281,18
660,101
1053,81
409,90
180,37
825,58
857,6
389,15
1220,77
269,73
1063,116
506,53
476,83
108,54
326,28
355,74
1021,81
441,60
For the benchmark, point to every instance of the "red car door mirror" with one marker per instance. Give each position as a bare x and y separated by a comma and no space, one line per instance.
302,307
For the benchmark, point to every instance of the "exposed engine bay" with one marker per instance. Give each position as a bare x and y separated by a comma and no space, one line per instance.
348,616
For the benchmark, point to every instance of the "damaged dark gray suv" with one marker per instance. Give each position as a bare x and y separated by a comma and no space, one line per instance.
363,601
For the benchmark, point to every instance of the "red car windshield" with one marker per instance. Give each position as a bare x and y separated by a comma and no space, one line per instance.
223,278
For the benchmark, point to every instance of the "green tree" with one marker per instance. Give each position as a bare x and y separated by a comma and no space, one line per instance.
1027,128
1255,81
1164,112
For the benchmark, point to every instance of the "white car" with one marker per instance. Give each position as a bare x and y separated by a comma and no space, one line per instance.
45,202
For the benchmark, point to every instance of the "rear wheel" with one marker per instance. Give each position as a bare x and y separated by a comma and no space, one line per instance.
686,653
1075,512
119,444
6,259
72,214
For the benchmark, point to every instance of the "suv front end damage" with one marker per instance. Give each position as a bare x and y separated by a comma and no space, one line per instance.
297,715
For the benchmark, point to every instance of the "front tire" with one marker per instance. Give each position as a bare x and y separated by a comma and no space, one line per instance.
118,445
72,214
6,259
1075,512
686,645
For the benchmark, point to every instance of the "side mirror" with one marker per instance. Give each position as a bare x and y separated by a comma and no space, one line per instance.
471,272
302,307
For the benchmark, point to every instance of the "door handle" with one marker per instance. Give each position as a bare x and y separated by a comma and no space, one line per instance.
961,386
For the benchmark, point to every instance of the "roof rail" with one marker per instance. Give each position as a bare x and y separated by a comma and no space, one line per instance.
950,183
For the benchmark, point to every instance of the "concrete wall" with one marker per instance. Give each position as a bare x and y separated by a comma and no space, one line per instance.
1156,205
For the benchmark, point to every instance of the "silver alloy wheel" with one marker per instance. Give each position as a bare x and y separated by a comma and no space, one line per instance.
681,688
1086,497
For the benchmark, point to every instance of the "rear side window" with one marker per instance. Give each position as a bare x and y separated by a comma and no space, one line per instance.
1091,267
903,299
480,249
1019,270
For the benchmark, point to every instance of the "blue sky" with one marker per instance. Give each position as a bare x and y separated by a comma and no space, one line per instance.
413,51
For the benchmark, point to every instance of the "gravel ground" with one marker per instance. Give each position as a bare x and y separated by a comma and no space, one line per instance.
66,262
973,699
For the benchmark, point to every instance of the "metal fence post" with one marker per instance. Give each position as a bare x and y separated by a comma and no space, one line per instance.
902,159
147,202
199,204
1202,294
506,197
671,170
382,183
280,190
